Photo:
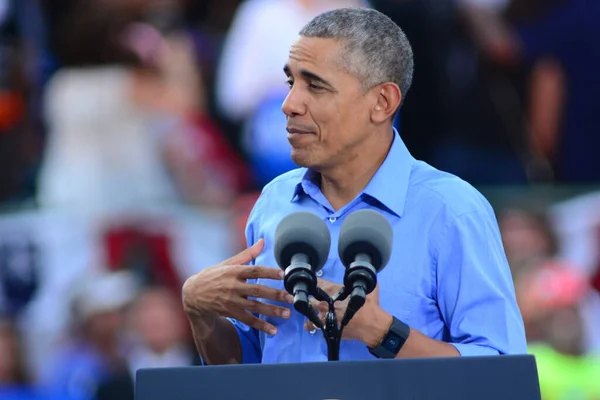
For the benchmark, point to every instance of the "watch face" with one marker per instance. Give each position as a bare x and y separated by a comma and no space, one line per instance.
393,342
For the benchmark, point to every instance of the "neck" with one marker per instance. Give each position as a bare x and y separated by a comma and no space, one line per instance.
342,183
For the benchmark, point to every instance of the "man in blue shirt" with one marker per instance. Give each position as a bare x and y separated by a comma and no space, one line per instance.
447,278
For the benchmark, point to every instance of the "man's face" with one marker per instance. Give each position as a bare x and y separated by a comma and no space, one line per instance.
328,111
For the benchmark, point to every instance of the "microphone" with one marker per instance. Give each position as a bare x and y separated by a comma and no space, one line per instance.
364,247
302,243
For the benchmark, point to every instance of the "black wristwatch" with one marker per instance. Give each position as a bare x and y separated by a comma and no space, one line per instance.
392,341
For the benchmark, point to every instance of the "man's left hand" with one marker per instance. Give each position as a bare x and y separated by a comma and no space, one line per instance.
369,325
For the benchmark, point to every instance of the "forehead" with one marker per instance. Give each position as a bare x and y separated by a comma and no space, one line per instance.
318,54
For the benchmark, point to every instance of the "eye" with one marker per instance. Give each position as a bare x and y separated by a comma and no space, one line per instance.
314,87
290,83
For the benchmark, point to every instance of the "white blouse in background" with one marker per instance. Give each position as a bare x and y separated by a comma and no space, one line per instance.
103,151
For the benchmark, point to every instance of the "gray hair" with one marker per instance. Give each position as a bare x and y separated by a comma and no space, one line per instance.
375,49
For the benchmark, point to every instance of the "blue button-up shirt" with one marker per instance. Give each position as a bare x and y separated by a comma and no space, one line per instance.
447,276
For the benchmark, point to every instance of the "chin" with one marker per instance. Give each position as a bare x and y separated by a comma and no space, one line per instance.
302,159
313,159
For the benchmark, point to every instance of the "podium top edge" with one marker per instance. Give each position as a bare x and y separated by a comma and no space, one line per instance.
513,358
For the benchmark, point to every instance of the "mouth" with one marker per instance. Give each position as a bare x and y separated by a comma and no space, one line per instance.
296,131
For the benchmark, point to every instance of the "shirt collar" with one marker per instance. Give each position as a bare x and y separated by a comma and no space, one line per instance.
389,185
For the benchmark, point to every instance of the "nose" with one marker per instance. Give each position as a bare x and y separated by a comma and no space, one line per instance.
293,105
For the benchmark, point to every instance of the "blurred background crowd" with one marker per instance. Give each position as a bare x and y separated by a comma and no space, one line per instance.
135,136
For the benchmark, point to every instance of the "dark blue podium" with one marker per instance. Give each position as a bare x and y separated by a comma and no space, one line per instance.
460,378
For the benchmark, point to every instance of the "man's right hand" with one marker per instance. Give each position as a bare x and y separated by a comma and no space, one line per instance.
222,291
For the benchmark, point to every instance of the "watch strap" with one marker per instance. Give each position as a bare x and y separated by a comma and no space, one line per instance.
393,340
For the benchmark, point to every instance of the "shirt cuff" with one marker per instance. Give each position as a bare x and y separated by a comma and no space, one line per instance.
467,349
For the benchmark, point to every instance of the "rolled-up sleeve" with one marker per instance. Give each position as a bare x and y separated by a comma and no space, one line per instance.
475,291
468,349
249,340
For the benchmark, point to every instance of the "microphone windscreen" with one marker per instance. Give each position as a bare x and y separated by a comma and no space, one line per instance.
305,233
368,232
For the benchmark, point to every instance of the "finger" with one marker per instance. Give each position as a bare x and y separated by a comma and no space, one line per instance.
320,306
261,308
325,283
329,287
247,255
259,272
264,292
309,326
322,283
254,322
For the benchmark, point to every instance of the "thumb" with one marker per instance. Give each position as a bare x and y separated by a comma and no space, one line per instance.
247,255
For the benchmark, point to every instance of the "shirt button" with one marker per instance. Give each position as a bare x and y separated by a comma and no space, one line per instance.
332,219
312,332
320,273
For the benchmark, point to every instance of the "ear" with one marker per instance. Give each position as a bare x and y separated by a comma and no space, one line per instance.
388,99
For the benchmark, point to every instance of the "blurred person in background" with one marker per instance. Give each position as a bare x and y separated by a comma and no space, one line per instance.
530,236
527,233
550,296
160,334
15,383
258,40
206,24
200,157
430,27
158,338
465,117
577,223
561,40
101,146
94,350
119,112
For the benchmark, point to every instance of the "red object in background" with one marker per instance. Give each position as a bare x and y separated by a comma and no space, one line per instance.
212,149
146,252
596,276
596,280
12,109
555,284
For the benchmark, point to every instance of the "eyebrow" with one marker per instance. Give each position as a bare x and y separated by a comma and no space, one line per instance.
307,75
